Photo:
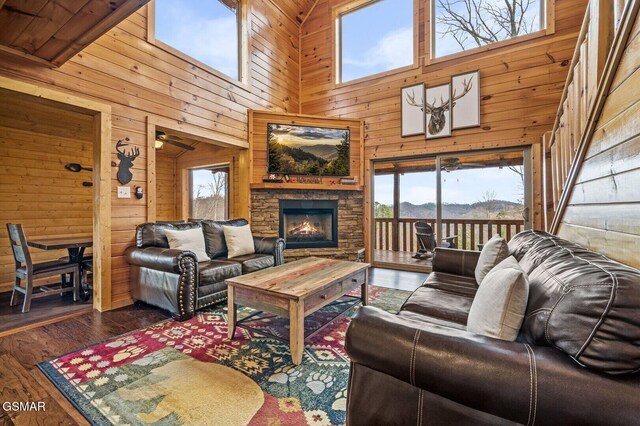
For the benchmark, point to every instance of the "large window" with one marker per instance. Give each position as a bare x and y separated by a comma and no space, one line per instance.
206,30
210,193
466,24
373,38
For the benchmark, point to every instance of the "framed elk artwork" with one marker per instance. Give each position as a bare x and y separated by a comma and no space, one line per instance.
437,107
412,110
465,95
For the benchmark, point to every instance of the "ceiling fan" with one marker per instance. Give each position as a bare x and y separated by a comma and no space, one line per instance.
451,164
162,138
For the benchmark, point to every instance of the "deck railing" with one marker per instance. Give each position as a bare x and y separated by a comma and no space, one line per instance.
400,235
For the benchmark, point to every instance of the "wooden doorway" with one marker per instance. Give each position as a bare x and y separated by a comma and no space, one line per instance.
97,131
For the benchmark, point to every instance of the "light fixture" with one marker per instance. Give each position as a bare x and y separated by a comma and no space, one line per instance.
159,144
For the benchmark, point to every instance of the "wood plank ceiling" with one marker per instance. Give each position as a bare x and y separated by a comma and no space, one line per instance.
52,31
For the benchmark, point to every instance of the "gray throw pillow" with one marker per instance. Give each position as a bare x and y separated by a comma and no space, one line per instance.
188,239
493,252
500,303
239,240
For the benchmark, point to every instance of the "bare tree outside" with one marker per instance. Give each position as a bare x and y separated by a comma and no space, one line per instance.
210,198
474,23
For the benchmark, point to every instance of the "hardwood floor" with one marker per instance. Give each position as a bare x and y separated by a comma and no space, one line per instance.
20,378
402,260
43,310
22,381
391,278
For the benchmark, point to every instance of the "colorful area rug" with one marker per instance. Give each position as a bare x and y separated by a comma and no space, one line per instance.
189,373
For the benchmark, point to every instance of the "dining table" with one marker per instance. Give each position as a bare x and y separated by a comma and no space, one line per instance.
75,246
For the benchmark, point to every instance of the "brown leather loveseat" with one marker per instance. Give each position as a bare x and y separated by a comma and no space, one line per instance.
173,280
576,360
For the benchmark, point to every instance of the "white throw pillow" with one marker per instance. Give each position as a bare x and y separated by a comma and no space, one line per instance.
239,240
493,252
500,303
188,239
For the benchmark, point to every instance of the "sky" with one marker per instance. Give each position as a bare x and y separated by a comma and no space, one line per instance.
304,135
203,29
377,38
459,186
201,177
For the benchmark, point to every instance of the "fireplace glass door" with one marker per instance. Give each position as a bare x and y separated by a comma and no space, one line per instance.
309,224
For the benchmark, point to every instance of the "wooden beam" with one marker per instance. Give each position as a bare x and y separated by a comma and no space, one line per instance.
396,212
110,21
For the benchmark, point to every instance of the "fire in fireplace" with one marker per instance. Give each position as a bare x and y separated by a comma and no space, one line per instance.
309,223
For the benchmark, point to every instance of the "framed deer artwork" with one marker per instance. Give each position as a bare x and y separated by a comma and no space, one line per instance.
124,174
412,110
465,95
437,107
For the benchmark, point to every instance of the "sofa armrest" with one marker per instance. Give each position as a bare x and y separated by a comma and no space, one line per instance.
511,380
454,261
158,258
270,245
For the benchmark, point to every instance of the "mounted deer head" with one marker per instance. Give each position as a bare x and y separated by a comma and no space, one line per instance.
438,119
126,161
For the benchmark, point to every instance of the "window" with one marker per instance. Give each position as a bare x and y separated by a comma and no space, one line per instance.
206,30
374,38
210,193
466,24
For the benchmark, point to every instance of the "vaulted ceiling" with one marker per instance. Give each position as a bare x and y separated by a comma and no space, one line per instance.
297,10
52,31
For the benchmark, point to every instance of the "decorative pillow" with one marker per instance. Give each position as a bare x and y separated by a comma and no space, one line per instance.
493,252
500,302
189,239
239,240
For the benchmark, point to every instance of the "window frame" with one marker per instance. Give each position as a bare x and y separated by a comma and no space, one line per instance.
225,167
336,14
243,43
430,34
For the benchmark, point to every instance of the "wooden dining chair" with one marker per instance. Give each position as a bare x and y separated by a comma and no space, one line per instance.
28,271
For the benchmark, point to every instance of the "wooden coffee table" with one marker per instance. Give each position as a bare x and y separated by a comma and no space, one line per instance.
295,290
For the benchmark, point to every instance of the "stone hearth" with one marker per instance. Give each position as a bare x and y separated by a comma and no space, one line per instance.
265,206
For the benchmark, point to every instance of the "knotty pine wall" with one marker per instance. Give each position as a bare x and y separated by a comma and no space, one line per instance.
36,141
521,86
139,79
604,210
166,187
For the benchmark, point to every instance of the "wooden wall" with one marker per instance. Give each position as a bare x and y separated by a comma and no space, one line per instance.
258,153
36,141
139,80
521,85
166,187
604,209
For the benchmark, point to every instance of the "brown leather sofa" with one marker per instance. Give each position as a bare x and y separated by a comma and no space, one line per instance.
575,361
173,280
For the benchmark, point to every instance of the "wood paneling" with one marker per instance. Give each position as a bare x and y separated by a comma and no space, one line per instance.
36,141
521,85
139,80
258,122
166,187
603,212
51,32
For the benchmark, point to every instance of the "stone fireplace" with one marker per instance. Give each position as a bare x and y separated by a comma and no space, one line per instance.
309,223
326,223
